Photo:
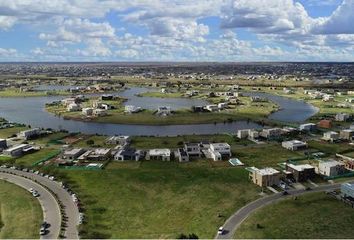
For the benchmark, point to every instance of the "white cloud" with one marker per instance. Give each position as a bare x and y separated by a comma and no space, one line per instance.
340,22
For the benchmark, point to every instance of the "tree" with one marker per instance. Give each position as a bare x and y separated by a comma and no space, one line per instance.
90,142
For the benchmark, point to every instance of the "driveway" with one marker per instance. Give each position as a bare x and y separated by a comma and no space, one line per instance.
50,206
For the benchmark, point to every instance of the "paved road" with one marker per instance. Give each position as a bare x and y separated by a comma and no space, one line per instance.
70,208
237,218
50,206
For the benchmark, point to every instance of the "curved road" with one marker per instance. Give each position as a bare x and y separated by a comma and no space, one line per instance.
50,206
70,209
237,218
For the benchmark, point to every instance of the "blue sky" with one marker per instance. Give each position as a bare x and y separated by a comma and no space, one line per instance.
175,30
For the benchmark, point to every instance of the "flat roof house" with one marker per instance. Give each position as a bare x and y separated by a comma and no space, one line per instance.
18,150
192,149
302,172
27,134
271,133
87,111
220,151
182,155
331,168
98,154
128,154
3,144
308,127
162,154
73,154
347,190
294,145
121,140
342,117
346,134
264,177
330,136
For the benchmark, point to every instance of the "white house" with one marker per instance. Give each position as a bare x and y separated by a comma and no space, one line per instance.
219,151
121,140
331,168
99,112
87,111
131,109
243,133
29,133
163,154
342,117
73,107
164,111
330,136
294,145
307,127
212,108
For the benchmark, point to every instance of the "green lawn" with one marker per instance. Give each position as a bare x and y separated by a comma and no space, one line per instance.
160,199
8,132
265,155
29,159
311,216
329,148
20,213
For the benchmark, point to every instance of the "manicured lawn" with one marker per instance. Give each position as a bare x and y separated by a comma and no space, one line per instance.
29,159
8,132
329,148
20,212
160,199
311,216
265,155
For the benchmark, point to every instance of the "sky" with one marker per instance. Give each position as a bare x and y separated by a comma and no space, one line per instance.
176,30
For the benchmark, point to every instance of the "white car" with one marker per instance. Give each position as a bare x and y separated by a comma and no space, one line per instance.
221,231
35,193
31,190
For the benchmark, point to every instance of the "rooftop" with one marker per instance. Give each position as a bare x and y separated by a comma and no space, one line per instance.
301,167
160,152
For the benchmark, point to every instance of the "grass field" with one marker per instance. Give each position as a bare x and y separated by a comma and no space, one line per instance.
265,155
160,199
329,148
29,159
311,216
21,214
8,132
18,93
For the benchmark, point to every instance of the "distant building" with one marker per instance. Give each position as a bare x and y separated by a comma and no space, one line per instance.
325,124
131,109
28,134
294,145
346,134
164,111
331,168
271,133
18,150
73,154
87,111
3,144
120,140
264,177
163,154
302,172
192,149
308,127
212,108
347,190
331,136
128,154
220,151
342,117
73,107
182,155
99,112
97,154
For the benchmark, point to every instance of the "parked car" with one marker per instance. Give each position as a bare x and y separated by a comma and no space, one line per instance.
221,231
35,193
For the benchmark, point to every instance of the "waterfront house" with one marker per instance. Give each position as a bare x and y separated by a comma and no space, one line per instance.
28,134
162,154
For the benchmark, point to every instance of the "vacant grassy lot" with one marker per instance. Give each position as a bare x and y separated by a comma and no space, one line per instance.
265,155
8,132
311,216
29,159
329,148
160,199
21,214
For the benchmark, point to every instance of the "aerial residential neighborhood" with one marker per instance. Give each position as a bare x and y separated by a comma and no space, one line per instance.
155,119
